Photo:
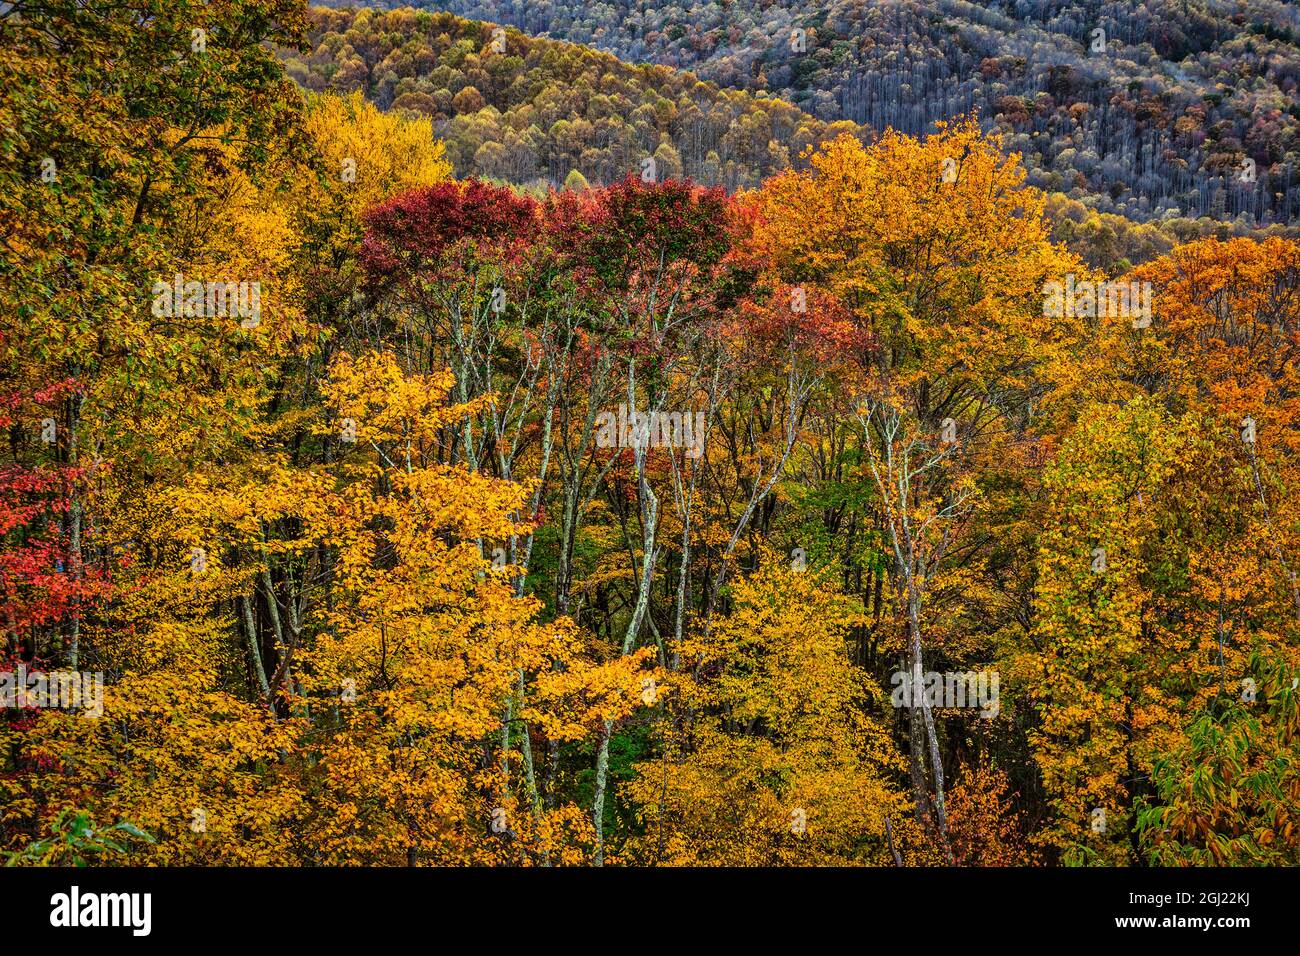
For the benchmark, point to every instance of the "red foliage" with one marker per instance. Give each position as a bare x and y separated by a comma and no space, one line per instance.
824,330
422,226
38,583
11,403
617,234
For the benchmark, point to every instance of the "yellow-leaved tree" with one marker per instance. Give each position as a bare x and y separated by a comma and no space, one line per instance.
435,676
787,760
398,682
940,253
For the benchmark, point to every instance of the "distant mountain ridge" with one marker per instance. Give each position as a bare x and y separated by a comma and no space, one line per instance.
1190,111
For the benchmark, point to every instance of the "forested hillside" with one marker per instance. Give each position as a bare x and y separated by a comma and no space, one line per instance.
540,112
1159,117
357,509
535,111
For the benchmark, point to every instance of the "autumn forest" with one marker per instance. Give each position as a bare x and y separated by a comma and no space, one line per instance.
435,443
